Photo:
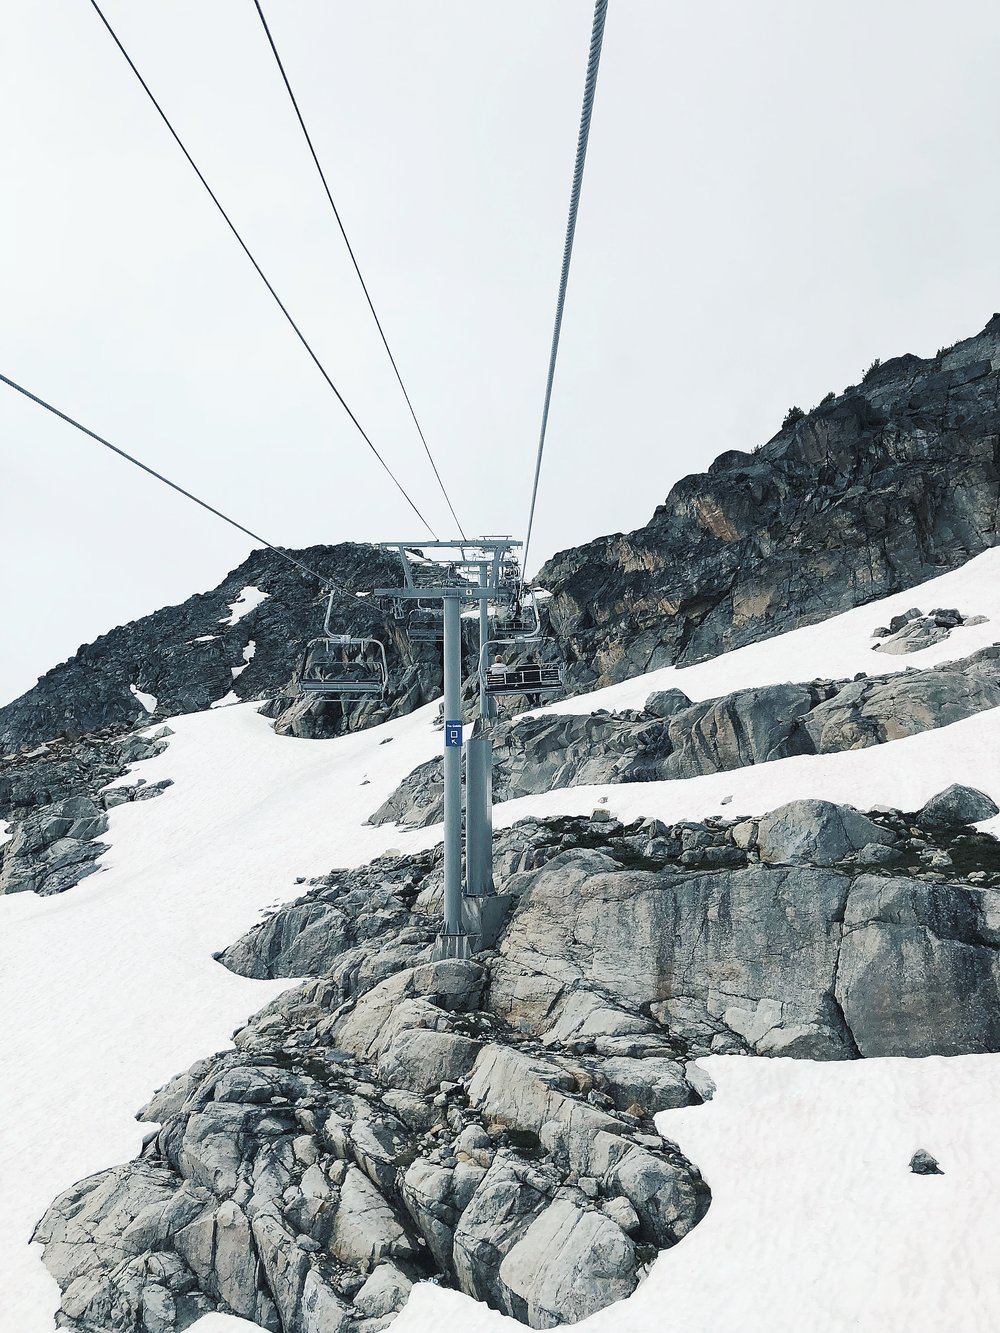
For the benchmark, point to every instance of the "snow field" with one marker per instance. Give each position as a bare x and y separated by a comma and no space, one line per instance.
817,1224
249,599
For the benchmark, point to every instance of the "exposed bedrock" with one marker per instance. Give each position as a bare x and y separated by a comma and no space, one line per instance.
674,738
55,801
490,1123
896,480
306,1180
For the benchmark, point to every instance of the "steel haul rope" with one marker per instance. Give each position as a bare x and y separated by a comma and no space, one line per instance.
589,88
260,272
63,416
354,261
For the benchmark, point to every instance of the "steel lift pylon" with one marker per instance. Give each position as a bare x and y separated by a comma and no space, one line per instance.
474,574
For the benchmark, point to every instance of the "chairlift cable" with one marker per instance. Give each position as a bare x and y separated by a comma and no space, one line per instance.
325,582
589,88
260,272
354,261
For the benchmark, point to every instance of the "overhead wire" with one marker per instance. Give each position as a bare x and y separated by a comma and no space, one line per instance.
354,261
63,416
589,88
260,272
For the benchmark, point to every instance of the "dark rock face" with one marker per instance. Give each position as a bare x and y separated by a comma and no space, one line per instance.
674,738
54,802
186,656
893,482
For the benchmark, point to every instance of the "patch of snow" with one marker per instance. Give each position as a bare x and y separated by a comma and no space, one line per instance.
204,638
249,599
231,698
248,653
148,701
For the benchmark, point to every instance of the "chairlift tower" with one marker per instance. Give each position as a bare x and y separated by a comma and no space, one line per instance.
462,573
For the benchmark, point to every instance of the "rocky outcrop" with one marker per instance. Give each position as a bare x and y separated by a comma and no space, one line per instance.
55,801
489,1123
912,630
188,657
307,1179
892,482
674,738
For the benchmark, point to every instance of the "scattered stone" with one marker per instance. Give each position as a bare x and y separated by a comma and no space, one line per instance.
817,832
622,1214
957,806
923,1164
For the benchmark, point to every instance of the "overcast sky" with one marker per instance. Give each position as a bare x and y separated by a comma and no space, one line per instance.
776,193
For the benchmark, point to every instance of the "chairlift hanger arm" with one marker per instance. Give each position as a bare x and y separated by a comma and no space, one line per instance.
470,592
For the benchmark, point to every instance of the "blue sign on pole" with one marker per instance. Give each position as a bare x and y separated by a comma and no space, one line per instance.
453,735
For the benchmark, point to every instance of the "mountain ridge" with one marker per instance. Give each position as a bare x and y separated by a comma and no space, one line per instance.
894,480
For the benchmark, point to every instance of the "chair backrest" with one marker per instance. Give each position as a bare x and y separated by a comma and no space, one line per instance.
324,672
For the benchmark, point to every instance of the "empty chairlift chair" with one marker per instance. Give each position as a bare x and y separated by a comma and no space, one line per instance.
343,667
425,627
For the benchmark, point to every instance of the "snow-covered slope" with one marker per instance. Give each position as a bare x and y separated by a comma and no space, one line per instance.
110,988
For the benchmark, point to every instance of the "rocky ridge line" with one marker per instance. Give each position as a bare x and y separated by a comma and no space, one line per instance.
890,483
882,487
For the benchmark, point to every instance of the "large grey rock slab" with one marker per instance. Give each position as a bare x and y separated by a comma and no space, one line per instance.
815,832
507,1201
919,970
569,1264
754,948
956,806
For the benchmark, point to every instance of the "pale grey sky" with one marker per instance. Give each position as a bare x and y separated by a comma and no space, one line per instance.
776,193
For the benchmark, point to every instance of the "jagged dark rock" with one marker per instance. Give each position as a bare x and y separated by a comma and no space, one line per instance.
923,1164
185,656
54,800
894,481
